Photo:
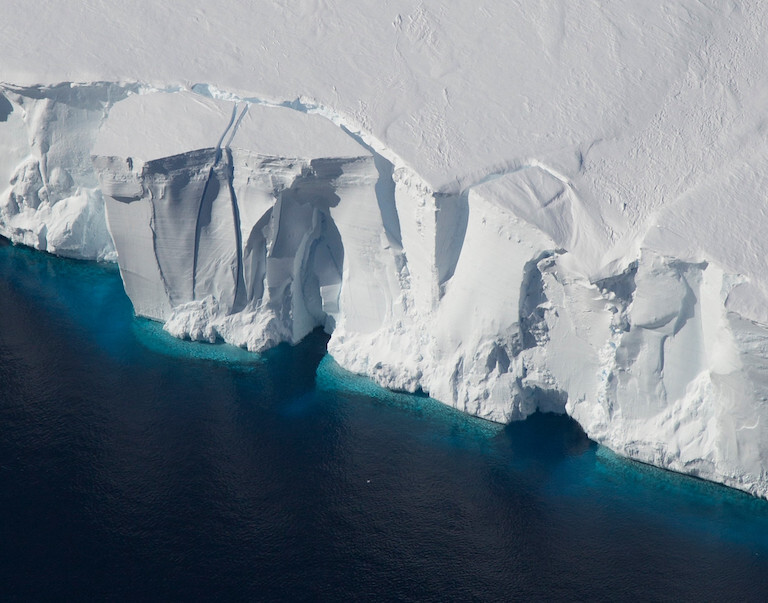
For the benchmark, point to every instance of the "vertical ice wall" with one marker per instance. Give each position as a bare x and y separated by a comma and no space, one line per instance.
232,226
256,224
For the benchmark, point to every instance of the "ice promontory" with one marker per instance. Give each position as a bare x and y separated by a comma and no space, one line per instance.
570,220
243,221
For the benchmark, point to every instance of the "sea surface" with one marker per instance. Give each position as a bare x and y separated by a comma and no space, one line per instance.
136,467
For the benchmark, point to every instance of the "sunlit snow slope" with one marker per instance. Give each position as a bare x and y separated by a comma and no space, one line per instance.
508,205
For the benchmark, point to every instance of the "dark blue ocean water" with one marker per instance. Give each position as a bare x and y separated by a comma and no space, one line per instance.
137,467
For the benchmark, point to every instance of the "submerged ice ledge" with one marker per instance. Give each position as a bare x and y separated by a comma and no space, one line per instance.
257,222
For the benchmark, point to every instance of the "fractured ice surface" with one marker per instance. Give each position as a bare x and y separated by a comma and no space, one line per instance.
232,225
53,201
571,219
257,224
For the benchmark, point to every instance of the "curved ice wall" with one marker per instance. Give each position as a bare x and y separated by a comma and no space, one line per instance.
256,224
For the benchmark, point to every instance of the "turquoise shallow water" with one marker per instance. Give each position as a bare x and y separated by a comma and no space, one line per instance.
136,466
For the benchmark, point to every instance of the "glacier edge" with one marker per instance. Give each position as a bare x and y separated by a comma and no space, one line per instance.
242,229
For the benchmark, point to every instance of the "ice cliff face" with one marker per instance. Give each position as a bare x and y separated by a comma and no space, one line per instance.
244,221
52,200
254,224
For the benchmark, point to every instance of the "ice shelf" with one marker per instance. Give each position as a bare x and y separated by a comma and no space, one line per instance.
561,209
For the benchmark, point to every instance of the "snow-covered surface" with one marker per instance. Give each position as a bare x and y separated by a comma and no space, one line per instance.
508,205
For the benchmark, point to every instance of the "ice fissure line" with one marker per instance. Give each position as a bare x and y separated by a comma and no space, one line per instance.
224,133
211,175
238,302
236,125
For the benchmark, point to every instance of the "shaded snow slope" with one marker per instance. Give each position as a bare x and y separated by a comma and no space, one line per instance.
509,206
